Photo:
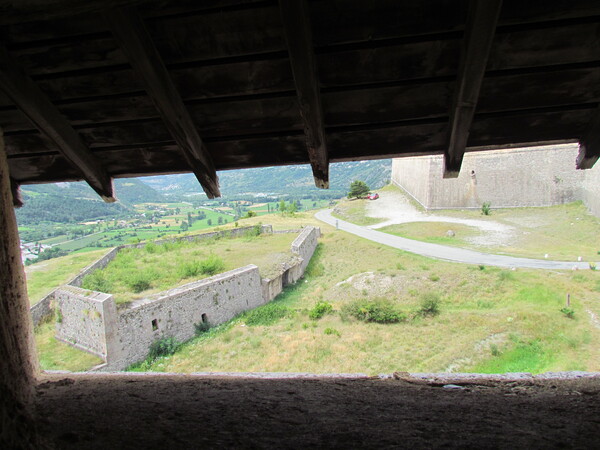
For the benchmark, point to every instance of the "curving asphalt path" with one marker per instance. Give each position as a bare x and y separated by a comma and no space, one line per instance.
437,251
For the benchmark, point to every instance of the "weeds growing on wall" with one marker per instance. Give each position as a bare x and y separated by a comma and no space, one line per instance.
486,209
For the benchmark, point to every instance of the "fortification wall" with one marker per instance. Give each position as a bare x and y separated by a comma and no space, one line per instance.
590,189
305,244
412,174
535,176
174,314
42,309
90,320
80,318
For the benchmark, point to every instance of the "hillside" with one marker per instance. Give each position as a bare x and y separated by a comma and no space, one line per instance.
292,180
74,202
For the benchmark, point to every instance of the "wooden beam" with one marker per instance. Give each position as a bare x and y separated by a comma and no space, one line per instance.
15,188
29,98
479,34
131,33
296,25
589,145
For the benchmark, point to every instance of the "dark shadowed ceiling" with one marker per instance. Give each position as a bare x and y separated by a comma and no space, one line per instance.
99,89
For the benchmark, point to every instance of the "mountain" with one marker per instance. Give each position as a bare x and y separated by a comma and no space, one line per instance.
128,190
75,202
293,180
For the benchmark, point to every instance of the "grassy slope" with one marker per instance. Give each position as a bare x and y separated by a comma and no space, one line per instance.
491,320
45,276
55,355
162,267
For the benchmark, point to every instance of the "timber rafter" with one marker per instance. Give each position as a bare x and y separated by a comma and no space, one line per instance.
36,106
296,25
479,34
130,31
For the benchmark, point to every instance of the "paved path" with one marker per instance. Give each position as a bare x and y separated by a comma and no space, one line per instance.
444,252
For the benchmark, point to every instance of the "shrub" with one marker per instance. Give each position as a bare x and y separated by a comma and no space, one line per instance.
434,277
430,304
505,275
266,315
481,267
163,347
592,266
211,265
319,310
486,208
379,310
139,281
332,331
150,247
569,312
188,269
97,281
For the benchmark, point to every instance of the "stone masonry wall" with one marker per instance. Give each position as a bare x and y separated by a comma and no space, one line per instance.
536,176
174,314
590,189
80,318
305,244
90,320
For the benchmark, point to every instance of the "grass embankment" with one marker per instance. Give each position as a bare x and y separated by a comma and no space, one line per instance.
56,355
47,275
490,320
137,273
355,211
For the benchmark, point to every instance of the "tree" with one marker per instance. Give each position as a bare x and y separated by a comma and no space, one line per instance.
358,189
292,208
209,222
282,206
220,220
184,226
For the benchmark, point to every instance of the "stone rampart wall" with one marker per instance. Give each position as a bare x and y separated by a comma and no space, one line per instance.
176,312
305,244
80,318
590,189
90,320
536,176
42,309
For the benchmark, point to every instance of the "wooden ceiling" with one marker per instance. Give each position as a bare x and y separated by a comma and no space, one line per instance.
100,89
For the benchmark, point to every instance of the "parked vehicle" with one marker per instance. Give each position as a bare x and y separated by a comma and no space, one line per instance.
373,196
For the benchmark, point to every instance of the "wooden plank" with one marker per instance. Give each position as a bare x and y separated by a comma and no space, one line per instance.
43,114
479,34
130,31
16,193
589,145
296,24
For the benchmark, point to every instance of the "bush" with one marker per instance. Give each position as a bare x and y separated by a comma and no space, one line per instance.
97,281
266,315
211,265
189,269
569,312
150,247
163,347
379,310
319,310
430,304
486,209
139,282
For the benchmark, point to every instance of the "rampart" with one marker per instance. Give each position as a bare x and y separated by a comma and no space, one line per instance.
90,320
535,176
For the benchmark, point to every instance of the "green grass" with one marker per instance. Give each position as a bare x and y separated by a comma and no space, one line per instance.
434,232
56,355
45,276
488,320
137,273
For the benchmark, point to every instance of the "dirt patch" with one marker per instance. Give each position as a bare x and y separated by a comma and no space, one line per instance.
395,208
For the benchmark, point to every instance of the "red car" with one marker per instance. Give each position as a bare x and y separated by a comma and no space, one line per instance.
373,196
